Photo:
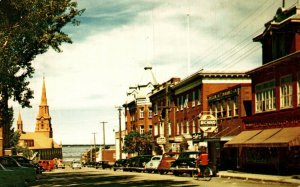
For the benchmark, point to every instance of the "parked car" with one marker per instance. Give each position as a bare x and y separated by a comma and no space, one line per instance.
186,163
23,161
152,165
90,164
47,165
11,178
166,162
137,163
28,173
60,165
76,165
120,164
102,164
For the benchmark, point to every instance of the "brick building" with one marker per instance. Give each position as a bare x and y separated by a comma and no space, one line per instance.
271,141
229,106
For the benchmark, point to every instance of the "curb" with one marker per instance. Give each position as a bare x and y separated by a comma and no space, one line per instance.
259,179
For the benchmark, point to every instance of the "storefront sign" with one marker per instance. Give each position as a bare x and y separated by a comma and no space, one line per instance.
208,123
178,138
161,140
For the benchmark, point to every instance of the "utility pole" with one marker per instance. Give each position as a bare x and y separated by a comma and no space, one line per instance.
120,133
103,124
166,122
94,145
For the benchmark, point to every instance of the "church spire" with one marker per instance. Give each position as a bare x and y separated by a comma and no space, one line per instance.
43,120
19,123
44,97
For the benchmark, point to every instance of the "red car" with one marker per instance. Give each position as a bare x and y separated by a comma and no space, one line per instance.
47,165
166,162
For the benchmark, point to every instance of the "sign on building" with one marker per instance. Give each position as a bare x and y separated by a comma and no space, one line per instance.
208,123
161,140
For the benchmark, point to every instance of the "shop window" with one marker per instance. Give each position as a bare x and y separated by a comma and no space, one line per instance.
286,91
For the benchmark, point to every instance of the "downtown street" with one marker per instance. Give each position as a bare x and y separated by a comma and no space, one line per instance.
108,177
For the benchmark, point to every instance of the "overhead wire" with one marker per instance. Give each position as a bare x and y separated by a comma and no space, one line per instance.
239,46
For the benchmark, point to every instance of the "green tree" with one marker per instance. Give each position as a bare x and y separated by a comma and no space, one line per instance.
28,28
135,142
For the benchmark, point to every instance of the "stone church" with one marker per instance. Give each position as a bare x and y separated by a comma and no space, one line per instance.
41,141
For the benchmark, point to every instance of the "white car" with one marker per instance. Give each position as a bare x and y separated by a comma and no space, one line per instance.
153,164
76,165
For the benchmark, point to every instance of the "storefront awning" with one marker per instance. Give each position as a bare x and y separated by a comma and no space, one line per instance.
277,137
241,138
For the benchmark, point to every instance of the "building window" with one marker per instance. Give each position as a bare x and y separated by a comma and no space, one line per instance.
186,101
199,99
224,109
193,99
169,128
182,102
236,106
141,113
178,104
155,108
265,97
219,110
142,130
286,92
193,126
229,107
150,128
182,128
150,113
156,129
178,128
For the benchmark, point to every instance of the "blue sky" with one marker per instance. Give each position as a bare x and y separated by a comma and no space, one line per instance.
117,39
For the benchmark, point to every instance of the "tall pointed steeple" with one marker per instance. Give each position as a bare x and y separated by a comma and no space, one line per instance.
43,120
44,97
19,123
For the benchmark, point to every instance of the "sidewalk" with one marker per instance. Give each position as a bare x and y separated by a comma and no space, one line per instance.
260,177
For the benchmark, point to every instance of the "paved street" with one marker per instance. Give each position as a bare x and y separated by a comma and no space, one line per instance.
99,177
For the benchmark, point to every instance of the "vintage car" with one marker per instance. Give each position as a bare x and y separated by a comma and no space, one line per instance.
11,178
28,173
23,161
166,162
152,165
119,164
47,165
102,165
137,163
76,165
186,163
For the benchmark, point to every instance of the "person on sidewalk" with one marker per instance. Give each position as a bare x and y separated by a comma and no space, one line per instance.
202,161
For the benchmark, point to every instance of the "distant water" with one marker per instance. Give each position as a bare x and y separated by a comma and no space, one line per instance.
73,152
